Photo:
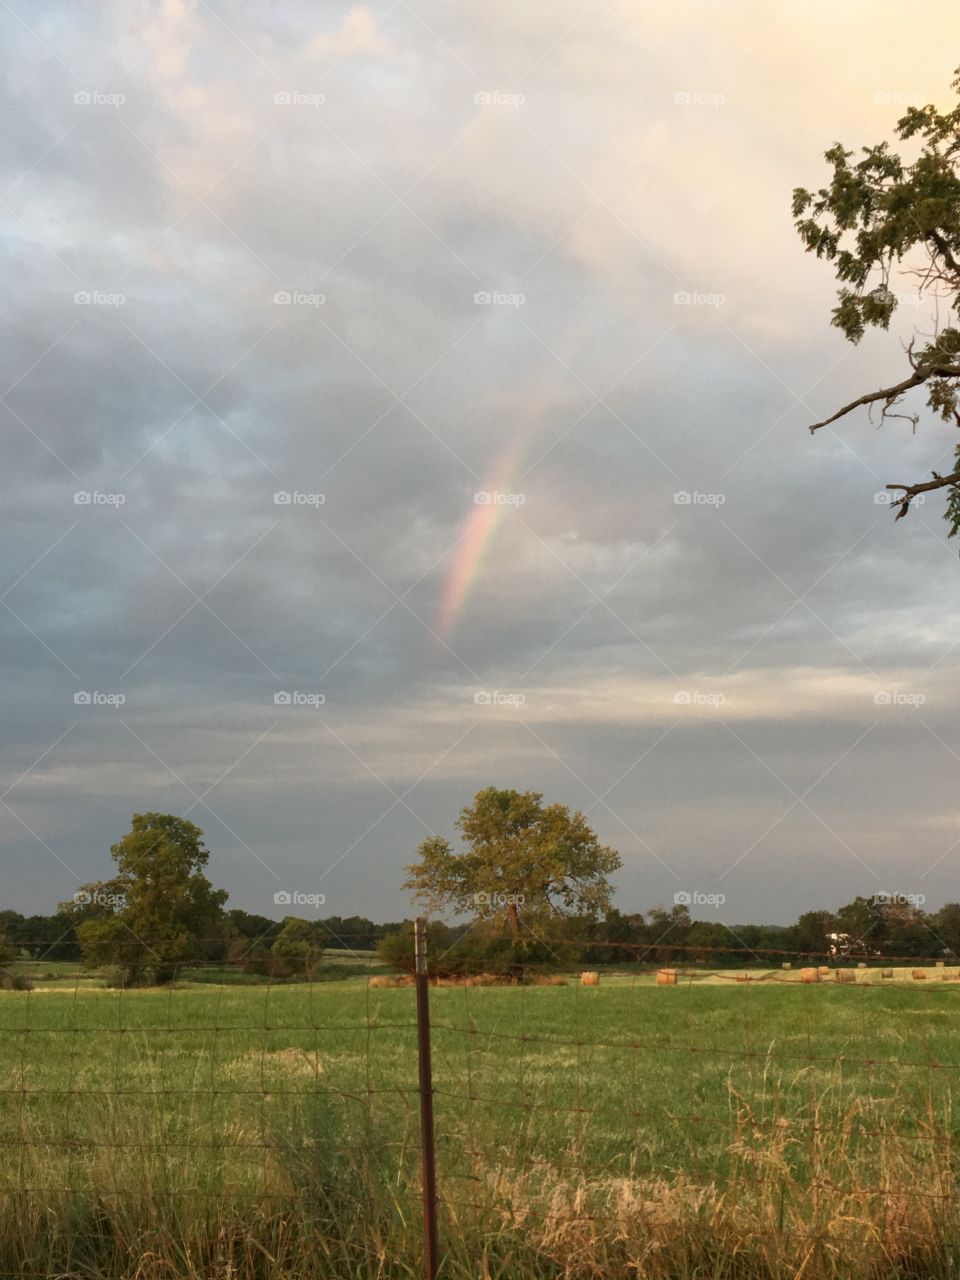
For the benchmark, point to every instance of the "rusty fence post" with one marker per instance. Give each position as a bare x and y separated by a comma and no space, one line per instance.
428,1165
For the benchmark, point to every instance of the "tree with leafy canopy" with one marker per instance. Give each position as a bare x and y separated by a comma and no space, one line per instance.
160,904
297,950
880,216
524,864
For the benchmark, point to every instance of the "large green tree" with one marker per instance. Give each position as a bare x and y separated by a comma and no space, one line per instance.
523,862
882,216
159,909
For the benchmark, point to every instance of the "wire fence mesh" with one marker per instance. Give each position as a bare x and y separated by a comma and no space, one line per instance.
581,1129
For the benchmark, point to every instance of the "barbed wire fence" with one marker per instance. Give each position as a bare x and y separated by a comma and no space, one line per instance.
563,1115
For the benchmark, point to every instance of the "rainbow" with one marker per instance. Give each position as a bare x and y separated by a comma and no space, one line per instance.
476,536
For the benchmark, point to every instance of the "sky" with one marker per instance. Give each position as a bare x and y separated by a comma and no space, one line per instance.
411,397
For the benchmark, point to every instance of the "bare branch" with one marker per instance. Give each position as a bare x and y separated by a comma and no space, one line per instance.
889,394
910,491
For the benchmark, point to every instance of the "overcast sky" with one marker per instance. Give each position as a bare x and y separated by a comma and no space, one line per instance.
246,252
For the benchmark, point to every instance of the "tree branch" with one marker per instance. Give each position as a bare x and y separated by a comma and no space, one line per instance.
910,491
890,394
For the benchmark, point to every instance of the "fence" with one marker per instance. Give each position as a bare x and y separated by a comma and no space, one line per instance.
477,1126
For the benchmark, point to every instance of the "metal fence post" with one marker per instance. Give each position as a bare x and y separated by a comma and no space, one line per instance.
427,1150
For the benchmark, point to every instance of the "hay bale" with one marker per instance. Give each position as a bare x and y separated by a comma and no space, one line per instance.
861,964
824,971
940,964
786,965
846,975
590,979
666,977
809,975
919,975
886,973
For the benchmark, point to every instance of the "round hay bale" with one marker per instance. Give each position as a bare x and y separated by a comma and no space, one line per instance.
786,965
861,964
590,979
919,975
940,964
846,975
824,971
666,977
886,973
809,975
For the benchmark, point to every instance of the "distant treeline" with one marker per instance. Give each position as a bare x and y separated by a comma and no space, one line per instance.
878,926
238,933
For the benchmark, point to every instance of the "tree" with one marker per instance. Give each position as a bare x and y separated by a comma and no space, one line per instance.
522,862
880,215
159,908
298,950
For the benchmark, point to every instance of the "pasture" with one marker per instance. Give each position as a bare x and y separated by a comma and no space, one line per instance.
623,1129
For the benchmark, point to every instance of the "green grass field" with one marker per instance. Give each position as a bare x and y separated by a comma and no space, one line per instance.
274,1130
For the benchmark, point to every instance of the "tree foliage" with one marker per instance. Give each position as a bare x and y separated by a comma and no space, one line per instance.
523,861
160,907
879,216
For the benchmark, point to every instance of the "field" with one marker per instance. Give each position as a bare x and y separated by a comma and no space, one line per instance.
715,1128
